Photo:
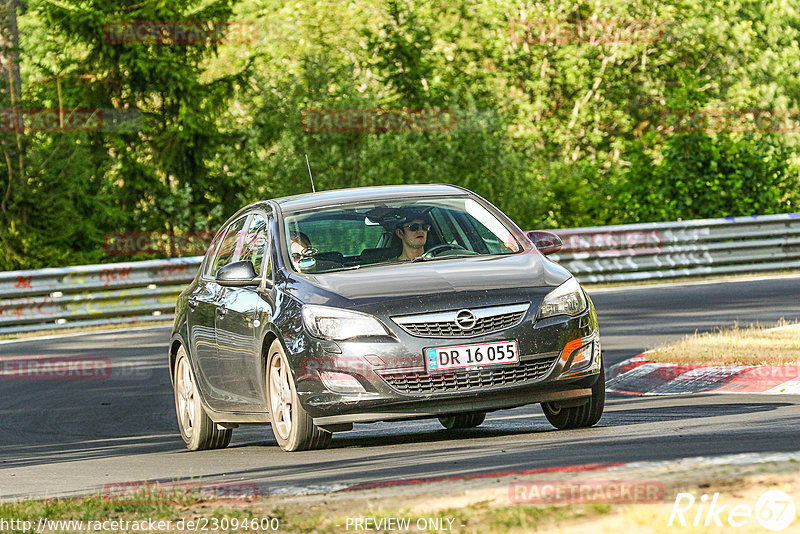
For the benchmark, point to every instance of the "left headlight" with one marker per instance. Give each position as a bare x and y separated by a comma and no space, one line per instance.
337,324
566,299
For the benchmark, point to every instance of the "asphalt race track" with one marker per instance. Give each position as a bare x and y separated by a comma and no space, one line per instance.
75,437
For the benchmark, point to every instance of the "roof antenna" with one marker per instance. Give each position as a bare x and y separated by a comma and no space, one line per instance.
313,190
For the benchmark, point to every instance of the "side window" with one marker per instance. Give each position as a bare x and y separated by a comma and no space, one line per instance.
256,242
212,250
229,247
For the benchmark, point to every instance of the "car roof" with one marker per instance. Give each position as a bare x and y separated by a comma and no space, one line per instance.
365,194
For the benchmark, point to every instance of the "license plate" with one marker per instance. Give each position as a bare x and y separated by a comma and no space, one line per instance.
464,356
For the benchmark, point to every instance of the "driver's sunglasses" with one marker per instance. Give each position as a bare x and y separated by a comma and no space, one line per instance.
416,226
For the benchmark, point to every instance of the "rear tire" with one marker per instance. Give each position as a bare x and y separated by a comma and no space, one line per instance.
198,431
462,420
293,427
582,416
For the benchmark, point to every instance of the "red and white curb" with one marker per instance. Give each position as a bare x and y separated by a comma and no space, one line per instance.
639,376
397,482
592,470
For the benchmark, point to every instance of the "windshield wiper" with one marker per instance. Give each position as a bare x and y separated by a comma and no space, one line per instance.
446,257
351,268
417,259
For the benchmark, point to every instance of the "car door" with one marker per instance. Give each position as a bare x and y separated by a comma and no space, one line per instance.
240,316
204,305
201,304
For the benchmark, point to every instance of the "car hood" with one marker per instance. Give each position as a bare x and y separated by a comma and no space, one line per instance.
425,286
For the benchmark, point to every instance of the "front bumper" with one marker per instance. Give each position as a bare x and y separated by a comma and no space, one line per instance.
434,406
397,385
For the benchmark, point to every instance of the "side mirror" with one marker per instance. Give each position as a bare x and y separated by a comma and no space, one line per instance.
545,242
238,274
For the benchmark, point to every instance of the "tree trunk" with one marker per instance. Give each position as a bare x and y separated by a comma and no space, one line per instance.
9,50
10,138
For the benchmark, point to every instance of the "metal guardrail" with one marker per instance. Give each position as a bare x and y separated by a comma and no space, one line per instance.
682,249
89,295
133,292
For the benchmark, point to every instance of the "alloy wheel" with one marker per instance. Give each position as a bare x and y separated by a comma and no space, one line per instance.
185,396
280,397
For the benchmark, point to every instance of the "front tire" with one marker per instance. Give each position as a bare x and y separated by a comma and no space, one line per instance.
582,416
198,431
462,420
293,427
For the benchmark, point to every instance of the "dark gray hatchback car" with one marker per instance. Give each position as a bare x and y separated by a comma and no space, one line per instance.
314,312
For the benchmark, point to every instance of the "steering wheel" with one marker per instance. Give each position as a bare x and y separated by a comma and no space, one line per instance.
441,247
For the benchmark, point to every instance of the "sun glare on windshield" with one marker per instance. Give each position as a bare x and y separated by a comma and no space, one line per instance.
352,237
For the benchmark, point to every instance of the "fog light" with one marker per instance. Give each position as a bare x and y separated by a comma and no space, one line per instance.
582,357
576,357
341,382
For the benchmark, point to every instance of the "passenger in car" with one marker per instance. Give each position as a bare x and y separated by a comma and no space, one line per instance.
299,243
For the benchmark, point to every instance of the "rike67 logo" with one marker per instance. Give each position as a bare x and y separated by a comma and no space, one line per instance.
774,510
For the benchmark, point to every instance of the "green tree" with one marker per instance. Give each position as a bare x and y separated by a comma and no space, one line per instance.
151,174
704,175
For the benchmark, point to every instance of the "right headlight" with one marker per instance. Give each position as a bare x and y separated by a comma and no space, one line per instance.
566,299
337,324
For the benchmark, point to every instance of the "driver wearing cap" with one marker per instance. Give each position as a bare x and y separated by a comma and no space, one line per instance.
413,235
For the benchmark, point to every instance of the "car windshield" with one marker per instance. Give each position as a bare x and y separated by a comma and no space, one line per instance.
361,235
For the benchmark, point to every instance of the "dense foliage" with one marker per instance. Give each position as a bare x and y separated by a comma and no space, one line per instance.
566,132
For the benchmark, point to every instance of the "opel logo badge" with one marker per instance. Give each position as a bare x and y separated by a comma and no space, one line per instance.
465,320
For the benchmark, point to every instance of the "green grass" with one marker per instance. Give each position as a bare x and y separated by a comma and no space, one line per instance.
149,502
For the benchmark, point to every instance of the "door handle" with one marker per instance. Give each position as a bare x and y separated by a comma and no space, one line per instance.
192,303
221,311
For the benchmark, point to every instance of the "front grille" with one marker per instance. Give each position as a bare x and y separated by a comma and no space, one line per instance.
450,329
463,379
443,324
